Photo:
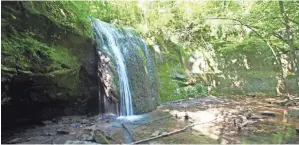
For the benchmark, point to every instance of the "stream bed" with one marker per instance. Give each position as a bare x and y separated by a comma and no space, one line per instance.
225,120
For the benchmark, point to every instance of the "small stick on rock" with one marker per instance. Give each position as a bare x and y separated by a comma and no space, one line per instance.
235,123
132,138
167,134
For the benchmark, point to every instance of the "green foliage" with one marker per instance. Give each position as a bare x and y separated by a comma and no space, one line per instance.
122,13
249,45
284,136
32,55
168,86
70,13
198,90
171,88
231,29
186,23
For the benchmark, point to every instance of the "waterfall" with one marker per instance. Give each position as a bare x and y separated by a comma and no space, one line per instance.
107,37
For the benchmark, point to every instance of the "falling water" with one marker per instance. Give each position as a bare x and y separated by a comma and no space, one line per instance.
108,37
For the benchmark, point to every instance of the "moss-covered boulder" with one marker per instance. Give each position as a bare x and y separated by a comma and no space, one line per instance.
48,68
142,80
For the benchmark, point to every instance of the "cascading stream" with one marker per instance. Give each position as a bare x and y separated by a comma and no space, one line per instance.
108,36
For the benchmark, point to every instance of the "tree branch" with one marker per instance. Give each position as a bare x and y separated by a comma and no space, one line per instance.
252,28
292,20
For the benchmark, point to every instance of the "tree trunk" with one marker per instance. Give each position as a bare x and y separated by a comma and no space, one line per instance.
290,42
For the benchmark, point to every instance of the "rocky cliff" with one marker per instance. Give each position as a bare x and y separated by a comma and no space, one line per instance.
47,68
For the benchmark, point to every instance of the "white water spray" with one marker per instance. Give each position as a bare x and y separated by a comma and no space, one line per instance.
108,36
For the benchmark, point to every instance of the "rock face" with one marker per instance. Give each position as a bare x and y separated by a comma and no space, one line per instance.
48,72
142,80
138,65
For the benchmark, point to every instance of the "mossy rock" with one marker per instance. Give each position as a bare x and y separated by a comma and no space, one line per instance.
101,139
45,64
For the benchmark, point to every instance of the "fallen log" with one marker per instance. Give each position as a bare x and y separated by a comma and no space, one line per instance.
170,133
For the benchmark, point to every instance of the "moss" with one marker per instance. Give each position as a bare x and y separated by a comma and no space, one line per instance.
141,54
39,47
100,138
28,54
33,58
72,14
280,137
168,86
68,79
143,57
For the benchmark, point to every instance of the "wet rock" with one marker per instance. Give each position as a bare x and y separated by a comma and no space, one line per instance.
156,133
15,140
108,117
140,70
63,132
78,142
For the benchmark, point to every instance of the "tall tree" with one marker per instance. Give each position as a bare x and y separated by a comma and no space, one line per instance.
290,41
